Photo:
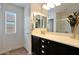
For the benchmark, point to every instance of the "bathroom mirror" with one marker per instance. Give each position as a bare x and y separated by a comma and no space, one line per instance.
40,21
37,21
57,17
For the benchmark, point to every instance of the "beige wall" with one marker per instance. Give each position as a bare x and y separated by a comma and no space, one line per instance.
12,41
59,18
37,7
59,22
52,15
60,25
0,30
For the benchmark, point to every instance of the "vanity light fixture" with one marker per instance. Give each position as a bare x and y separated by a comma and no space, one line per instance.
57,4
50,5
45,7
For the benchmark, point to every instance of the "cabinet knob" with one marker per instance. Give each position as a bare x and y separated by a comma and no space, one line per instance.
48,42
43,41
42,51
42,46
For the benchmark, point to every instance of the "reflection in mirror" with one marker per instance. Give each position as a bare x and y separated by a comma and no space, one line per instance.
50,25
45,22
74,21
60,15
65,19
39,21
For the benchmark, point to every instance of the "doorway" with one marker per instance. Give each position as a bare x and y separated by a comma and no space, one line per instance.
50,25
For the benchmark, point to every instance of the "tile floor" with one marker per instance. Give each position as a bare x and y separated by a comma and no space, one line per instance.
20,51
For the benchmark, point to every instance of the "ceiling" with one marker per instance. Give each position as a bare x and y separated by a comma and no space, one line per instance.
67,7
20,4
64,7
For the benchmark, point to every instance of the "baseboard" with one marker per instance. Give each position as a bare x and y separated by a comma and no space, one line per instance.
6,51
30,53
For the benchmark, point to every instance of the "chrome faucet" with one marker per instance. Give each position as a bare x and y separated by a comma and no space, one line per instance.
43,32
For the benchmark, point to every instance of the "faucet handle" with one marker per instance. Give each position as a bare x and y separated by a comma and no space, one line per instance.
42,32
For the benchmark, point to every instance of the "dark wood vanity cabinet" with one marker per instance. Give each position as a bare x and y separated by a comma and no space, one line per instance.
35,45
41,46
55,48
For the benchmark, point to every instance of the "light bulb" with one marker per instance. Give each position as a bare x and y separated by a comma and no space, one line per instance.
57,4
45,7
51,5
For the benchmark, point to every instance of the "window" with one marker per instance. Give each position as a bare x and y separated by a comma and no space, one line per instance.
10,22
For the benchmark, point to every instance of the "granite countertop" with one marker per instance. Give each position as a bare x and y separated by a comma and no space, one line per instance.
60,37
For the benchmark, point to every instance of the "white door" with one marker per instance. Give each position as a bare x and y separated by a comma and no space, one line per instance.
0,29
27,34
27,41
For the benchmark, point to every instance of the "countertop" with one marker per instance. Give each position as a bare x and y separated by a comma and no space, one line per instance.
59,37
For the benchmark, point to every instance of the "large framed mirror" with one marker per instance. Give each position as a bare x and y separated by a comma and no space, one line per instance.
58,18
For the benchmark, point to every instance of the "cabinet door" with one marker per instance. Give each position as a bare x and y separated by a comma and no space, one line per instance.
35,45
55,48
77,51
